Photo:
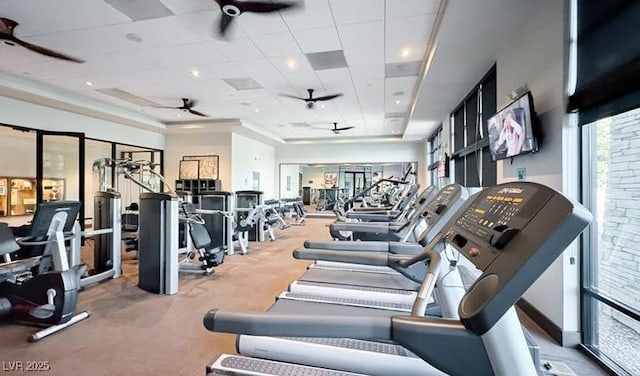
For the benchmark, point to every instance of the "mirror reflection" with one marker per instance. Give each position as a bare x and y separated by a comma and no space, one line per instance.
322,185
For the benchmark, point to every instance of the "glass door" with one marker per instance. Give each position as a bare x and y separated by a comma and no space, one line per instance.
61,174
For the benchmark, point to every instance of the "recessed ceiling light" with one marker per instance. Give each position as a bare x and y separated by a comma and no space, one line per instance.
322,106
406,52
393,131
397,101
178,115
195,73
291,63
257,110
134,37
88,83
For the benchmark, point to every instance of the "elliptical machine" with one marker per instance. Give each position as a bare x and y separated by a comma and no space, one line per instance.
37,286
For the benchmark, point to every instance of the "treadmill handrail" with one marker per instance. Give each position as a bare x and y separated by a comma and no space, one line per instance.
369,188
352,257
289,325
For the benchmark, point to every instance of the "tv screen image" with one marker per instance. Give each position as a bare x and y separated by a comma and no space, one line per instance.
511,129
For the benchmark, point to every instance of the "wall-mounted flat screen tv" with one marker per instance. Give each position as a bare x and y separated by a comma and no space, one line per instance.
511,130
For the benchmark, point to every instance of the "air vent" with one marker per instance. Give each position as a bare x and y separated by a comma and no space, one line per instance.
327,60
300,125
390,115
127,97
410,68
140,9
242,83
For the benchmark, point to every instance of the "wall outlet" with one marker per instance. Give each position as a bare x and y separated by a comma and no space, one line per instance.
522,174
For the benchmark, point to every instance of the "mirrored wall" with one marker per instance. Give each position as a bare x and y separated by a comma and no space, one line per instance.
313,182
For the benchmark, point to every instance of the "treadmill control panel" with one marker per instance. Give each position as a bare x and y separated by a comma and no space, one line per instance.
512,232
495,218
441,202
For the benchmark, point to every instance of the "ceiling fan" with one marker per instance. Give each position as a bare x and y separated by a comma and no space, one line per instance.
187,106
7,27
311,101
233,8
335,128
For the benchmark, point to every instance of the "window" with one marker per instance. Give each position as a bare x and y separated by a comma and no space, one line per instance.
471,157
611,283
438,169
607,101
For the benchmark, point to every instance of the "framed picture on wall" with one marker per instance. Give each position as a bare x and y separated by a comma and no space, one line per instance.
330,179
208,168
189,170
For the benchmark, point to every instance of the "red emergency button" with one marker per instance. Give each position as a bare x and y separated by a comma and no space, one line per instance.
473,252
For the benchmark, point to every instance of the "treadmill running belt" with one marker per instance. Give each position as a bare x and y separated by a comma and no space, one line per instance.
356,344
296,307
345,301
268,367
356,288
390,281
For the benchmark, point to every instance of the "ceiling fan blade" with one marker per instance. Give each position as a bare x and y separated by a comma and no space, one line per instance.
196,112
225,22
261,7
190,103
327,97
7,25
46,51
292,96
343,129
168,108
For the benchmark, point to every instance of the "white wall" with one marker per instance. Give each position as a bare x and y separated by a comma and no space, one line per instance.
249,155
293,173
16,112
179,145
354,153
536,57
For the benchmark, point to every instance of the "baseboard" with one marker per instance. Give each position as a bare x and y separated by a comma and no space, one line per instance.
563,338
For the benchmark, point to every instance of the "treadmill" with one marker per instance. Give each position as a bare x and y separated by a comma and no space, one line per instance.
390,282
397,228
512,232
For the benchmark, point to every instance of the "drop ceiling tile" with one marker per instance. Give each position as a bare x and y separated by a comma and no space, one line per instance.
260,24
411,33
363,43
195,55
141,9
370,73
409,8
357,11
297,63
273,45
315,14
189,6
318,40
53,16
239,49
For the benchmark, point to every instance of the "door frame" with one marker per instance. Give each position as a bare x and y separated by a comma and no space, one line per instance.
40,139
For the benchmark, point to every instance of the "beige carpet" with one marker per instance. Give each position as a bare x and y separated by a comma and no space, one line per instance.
132,332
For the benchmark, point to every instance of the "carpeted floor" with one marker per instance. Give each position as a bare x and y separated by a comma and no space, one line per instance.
132,332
